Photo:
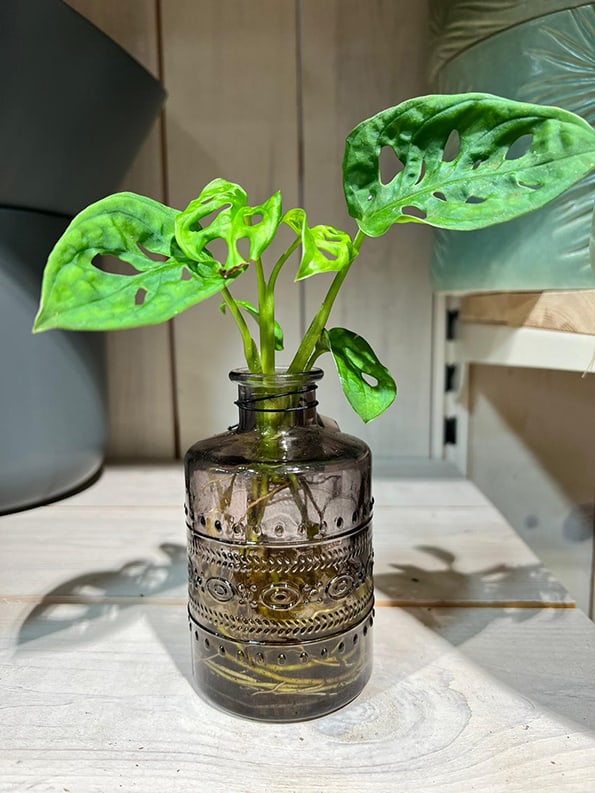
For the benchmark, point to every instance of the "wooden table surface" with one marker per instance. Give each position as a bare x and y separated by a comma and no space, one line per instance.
484,676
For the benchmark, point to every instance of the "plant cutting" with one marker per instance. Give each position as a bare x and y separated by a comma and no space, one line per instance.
279,507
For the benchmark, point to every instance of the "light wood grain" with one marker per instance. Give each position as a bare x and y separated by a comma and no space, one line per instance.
140,393
359,58
573,312
475,701
96,688
230,69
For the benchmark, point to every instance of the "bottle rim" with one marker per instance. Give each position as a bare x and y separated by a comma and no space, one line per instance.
280,376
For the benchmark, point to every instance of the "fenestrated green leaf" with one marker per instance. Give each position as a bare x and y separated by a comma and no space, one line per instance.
235,221
367,384
482,183
324,248
77,295
255,314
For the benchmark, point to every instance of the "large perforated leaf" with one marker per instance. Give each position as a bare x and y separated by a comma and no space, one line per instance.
78,295
506,158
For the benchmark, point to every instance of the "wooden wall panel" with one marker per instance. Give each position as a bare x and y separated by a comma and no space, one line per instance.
230,70
359,58
252,87
140,393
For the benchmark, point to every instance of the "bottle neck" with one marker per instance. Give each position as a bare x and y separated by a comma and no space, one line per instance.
276,402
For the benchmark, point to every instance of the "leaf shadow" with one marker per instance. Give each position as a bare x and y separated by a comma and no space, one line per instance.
441,583
89,607
486,615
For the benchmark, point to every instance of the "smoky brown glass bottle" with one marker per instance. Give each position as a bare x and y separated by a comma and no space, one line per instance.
278,512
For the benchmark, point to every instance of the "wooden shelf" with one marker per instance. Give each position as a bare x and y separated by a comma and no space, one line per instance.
482,675
570,312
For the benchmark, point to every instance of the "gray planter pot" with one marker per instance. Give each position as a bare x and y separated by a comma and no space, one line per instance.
53,423
75,109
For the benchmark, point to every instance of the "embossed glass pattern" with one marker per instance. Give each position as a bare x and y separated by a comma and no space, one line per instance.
278,512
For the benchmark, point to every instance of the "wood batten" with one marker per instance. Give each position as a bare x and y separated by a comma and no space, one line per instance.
572,311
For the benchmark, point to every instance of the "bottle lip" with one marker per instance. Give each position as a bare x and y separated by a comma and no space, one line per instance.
280,376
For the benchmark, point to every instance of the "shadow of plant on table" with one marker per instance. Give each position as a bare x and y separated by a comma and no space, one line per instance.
500,618
440,583
88,609
94,604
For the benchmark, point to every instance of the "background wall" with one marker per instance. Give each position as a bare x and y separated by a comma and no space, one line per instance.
264,92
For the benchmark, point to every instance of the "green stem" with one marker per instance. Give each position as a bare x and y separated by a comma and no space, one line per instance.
280,262
250,351
266,316
308,345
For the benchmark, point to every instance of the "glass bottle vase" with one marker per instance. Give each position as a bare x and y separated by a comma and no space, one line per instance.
278,512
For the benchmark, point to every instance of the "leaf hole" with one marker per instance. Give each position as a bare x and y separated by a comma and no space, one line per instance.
109,264
243,248
218,249
414,212
519,148
185,275
369,379
440,196
389,165
140,296
327,254
452,147
422,172
476,164
154,257
256,218
530,186
210,218
473,199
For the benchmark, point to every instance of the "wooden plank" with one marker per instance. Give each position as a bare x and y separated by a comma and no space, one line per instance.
230,69
424,555
528,347
498,702
162,484
140,394
507,645
359,58
572,312
457,556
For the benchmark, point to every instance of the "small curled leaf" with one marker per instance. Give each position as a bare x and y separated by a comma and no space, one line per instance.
324,248
509,159
367,383
235,221
77,295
